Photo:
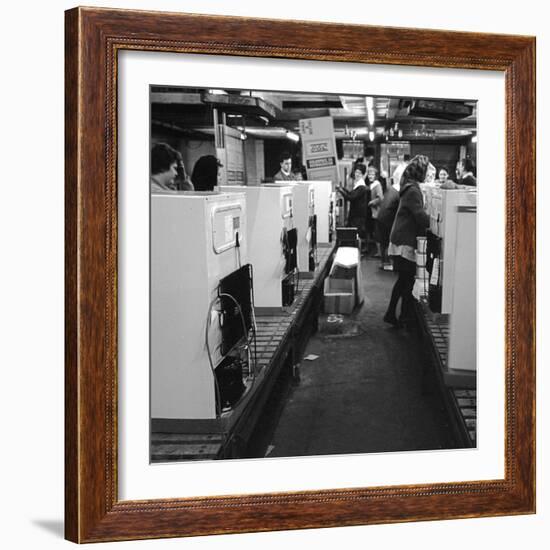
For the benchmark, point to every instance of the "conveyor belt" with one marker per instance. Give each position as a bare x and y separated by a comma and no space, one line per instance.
169,447
280,339
461,403
467,404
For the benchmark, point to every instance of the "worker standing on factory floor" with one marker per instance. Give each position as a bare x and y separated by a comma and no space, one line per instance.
411,221
444,180
206,173
164,167
376,196
358,202
465,172
386,217
400,168
285,172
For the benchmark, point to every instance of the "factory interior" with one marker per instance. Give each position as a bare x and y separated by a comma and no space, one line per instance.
278,265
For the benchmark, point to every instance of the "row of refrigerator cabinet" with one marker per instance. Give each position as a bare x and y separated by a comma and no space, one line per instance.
446,209
197,239
451,252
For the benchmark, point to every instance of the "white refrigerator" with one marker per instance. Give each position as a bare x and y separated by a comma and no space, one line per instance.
270,218
323,203
303,211
194,240
443,206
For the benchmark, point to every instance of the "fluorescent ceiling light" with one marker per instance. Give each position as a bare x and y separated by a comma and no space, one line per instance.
292,136
370,116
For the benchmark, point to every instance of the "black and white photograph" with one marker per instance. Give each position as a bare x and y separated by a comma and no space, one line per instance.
275,275
313,274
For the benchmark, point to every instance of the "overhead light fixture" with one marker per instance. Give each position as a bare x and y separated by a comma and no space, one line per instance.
370,116
217,92
292,136
371,135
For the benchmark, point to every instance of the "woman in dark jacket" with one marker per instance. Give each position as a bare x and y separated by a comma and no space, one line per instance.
358,199
411,221
386,217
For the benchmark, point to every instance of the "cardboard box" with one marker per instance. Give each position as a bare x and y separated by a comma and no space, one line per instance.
347,236
347,265
340,272
339,295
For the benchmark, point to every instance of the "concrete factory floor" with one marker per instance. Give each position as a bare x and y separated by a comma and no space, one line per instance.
364,393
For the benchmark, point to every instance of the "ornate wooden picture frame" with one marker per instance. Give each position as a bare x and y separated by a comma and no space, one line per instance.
93,511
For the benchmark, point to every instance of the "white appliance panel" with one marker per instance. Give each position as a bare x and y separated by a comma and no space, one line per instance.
463,334
323,194
268,213
302,198
193,239
442,206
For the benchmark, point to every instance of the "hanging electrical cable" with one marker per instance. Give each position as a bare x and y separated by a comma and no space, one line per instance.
245,331
211,363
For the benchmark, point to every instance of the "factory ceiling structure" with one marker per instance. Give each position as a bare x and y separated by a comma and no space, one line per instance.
271,115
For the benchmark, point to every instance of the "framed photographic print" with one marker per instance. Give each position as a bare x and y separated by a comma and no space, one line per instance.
300,275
